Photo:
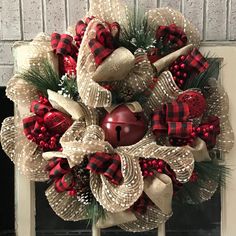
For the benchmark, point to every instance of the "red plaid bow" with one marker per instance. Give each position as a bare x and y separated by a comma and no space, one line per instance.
103,45
106,164
196,61
80,29
31,124
172,118
62,45
67,52
173,34
60,173
47,125
39,108
212,128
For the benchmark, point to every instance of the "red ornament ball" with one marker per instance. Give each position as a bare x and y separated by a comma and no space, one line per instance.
195,100
123,127
57,122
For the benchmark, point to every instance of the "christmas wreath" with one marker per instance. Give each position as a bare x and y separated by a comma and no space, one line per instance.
122,115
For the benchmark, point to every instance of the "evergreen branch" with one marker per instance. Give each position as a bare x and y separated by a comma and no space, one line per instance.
95,211
138,34
211,170
42,77
68,86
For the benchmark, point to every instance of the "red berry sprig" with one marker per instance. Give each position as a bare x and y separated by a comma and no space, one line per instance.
149,166
179,71
203,131
45,140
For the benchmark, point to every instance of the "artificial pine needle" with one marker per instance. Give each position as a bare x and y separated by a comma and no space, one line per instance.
211,170
68,86
43,77
138,34
95,211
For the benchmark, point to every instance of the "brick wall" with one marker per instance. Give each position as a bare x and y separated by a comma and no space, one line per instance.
23,19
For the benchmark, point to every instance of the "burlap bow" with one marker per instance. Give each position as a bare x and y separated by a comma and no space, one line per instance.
173,120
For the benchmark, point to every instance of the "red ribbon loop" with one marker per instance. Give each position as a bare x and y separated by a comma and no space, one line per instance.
47,125
40,109
60,173
29,124
107,165
32,124
172,119
62,45
103,45
67,51
104,36
195,60
80,29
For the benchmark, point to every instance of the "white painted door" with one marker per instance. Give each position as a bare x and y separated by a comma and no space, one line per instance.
25,197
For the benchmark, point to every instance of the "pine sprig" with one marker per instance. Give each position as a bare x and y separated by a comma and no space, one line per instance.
138,34
68,85
42,77
211,170
200,81
95,211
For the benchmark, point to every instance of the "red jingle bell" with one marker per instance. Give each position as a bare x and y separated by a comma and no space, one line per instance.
57,121
123,127
196,102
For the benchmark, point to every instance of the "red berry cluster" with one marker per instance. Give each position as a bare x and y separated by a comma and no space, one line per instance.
179,71
42,136
149,166
202,131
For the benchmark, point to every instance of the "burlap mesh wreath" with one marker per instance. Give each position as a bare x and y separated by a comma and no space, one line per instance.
126,72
